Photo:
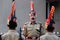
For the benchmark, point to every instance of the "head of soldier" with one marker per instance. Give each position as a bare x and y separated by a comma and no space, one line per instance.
50,28
52,22
12,23
32,16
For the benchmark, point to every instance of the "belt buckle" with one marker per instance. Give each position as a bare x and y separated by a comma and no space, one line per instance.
29,37
33,38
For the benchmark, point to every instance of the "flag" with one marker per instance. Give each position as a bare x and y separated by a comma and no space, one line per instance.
47,22
12,13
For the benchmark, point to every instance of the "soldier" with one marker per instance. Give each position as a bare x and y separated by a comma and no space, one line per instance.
49,33
11,34
32,29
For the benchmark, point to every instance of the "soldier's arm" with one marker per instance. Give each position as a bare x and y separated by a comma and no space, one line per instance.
42,30
17,37
3,37
25,30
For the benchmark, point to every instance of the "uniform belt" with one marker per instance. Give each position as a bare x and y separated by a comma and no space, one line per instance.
31,37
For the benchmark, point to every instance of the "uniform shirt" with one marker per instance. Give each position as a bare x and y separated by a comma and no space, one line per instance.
49,36
32,29
10,35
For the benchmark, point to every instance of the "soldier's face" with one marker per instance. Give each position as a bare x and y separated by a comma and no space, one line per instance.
32,17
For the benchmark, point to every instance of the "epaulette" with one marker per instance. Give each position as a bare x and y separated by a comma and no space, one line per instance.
26,23
39,22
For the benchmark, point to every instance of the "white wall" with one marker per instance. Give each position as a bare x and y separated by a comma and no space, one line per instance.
5,6
22,12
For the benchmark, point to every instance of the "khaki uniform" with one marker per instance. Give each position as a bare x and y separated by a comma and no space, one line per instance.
32,30
49,36
10,35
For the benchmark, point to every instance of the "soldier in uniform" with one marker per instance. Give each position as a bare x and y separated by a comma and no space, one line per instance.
11,34
32,30
49,33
